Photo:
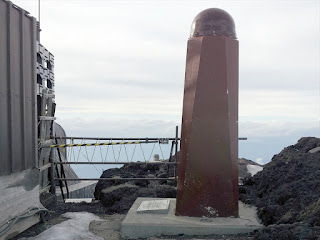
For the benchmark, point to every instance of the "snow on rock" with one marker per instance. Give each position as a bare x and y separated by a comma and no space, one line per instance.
254,169
77,227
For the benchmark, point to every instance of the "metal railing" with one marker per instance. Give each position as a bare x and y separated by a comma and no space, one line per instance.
172,160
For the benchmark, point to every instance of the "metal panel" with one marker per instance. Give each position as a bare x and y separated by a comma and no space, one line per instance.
19,192
208,174
18,128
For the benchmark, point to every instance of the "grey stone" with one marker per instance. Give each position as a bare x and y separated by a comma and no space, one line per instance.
314,150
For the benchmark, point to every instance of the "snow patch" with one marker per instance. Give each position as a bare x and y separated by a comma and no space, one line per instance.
253,169
77,227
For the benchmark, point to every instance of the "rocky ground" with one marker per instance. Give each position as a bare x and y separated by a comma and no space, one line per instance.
119,196
286,193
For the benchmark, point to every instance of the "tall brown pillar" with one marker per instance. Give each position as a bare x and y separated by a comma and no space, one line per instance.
208,168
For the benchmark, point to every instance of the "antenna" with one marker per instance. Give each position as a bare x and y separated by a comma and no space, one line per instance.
39,11
39,29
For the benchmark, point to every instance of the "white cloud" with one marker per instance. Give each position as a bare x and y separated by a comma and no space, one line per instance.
120,65
152,127
295,105
280,37
122,58
279,129
119,127
260,161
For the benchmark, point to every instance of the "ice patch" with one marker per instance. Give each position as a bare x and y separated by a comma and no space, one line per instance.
77,227
253,169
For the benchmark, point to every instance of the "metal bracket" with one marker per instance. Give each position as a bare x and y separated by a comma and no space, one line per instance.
48,95
45,118
44,167
163,141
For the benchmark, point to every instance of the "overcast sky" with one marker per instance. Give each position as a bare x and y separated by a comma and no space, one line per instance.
120,65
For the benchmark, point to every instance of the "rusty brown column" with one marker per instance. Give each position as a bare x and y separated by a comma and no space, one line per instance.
208,168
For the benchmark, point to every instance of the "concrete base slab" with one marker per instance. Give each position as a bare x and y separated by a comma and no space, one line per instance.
149,224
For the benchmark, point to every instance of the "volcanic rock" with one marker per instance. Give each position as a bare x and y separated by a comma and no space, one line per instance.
119,195
287,191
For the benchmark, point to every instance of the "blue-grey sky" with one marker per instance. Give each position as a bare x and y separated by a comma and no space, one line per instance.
120,65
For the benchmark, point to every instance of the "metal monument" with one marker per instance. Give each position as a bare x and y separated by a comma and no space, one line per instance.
208,168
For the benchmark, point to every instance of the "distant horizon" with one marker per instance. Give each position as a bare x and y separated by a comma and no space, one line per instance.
96,170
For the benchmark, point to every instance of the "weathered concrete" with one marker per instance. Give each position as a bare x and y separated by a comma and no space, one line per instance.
147,225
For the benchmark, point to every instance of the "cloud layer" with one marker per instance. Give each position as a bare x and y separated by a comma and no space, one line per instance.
119,66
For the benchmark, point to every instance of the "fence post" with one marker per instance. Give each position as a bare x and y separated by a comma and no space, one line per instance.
176,150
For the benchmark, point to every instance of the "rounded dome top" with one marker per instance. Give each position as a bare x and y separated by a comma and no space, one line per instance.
213,22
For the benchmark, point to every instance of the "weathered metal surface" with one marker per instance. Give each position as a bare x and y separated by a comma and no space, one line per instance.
95,144
18,193
120,163
19,175
208,170
99,138
18,138
113,179
213,22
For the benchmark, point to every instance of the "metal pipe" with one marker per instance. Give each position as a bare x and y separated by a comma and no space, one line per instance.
53,157
53,184
60,182
94,144
113,179
99,138
170,157
120,163
39,12
63,174
176,152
